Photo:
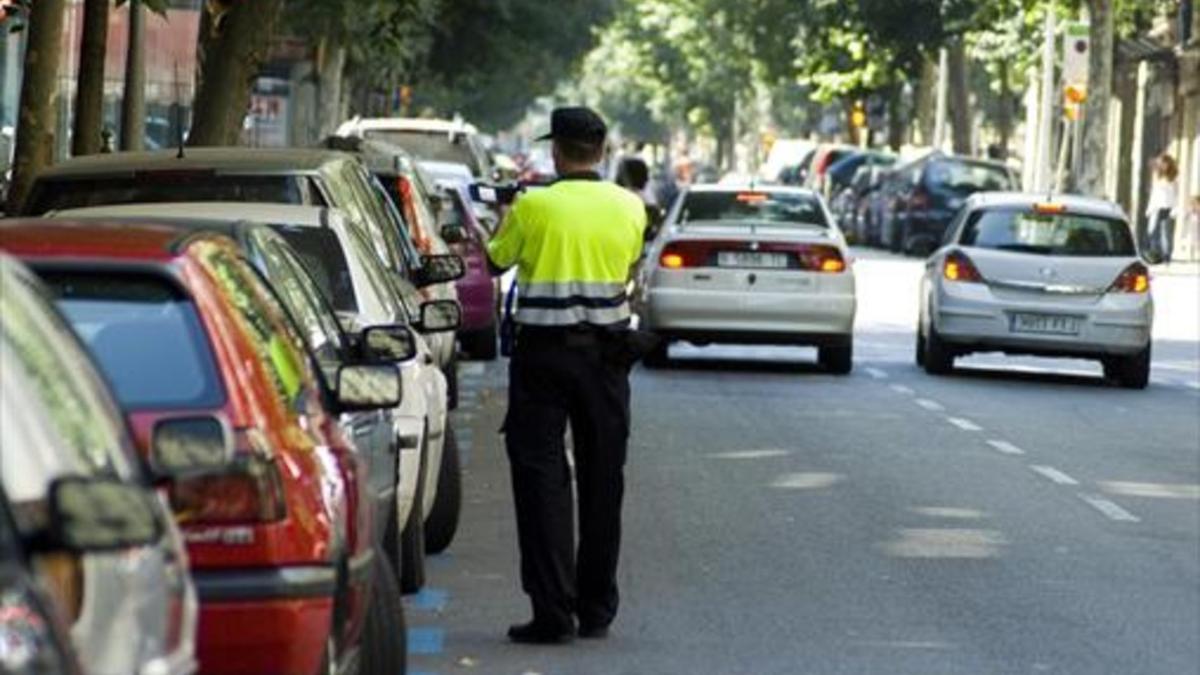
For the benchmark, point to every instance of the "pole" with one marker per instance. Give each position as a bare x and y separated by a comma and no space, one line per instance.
1046,116
939,119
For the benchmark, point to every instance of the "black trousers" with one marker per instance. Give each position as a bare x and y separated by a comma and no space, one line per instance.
553,381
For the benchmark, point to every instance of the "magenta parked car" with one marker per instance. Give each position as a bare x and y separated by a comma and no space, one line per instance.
478,290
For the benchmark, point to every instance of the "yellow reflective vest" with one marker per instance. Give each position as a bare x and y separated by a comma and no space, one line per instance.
573,244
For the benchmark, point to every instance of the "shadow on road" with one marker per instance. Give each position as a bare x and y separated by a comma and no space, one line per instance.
740,365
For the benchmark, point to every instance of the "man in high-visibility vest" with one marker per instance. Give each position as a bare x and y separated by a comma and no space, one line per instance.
573,244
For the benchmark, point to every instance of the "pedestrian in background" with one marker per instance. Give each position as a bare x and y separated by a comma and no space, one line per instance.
1160,209
573,244
633,174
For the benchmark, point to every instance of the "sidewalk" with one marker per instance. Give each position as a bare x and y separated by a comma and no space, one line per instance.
1176,269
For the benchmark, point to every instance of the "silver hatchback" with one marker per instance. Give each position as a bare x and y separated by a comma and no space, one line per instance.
1031,274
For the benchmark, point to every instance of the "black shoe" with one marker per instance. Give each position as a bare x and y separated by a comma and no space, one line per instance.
593,631
534,633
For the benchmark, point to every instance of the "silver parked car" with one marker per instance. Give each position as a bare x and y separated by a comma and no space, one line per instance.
131,609
1031,274
757,265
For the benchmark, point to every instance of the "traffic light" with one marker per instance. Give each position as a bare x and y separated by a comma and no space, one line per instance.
858,116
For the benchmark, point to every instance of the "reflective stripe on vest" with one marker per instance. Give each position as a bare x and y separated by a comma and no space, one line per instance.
571,302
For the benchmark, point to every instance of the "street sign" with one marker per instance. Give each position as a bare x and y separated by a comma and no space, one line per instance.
1076,45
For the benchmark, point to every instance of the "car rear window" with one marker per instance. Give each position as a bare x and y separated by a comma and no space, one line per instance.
968,177
145,335
439,147
1064,234
322,254
162,187
752,206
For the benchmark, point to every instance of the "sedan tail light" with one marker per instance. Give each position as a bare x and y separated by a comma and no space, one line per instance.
249,491
958,267
809,257
1134,279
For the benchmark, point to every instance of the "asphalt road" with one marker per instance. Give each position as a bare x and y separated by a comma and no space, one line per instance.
1018,517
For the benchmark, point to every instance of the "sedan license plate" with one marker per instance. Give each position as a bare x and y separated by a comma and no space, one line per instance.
1054,324
752,259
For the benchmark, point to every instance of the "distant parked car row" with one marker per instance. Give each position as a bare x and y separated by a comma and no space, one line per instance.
256,465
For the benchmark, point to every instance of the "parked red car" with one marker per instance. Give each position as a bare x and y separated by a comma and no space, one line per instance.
478,290
279,542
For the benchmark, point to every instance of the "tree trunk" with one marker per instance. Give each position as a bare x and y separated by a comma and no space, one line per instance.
1004,119
926,102
89,97
959,99
133,103
896,122
231,48
331,67
1091,172
36,118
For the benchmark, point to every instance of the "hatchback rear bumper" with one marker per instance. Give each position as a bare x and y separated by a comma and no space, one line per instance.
971,318
271,620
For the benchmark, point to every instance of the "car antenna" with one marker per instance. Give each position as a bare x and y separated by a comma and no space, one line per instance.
178,113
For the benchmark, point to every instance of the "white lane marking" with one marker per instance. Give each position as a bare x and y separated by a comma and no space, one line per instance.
1159,490
1053,474
750,454
901,389
806,481
1006,447
876,373
1110,509
930,405
948,512
964,424
945,543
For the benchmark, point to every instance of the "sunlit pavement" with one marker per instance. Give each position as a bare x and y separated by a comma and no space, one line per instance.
1020,516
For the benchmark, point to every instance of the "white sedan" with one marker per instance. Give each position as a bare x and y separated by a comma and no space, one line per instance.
1031,274
751,265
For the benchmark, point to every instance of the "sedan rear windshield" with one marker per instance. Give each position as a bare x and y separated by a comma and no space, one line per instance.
162,187
439,147
967,177
321,252
756,207
145,335
1064,234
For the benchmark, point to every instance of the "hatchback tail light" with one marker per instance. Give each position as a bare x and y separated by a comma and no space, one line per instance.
1134,279
958,267
249,491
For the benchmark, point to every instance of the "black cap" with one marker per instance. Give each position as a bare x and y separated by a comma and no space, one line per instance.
576,124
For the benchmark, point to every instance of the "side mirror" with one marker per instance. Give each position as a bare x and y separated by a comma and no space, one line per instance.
183,446
438,269
371,387
388,344
440,316
454,233
100,514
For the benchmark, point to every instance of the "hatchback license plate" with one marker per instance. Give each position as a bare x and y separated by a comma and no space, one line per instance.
752,259
1055,324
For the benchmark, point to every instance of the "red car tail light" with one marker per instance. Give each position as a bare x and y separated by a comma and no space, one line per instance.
1134,279
958,267
249,491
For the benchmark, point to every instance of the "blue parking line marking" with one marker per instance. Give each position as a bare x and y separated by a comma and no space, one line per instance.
421,672
426,640
430,599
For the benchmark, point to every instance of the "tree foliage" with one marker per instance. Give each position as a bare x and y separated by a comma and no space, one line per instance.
490,59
